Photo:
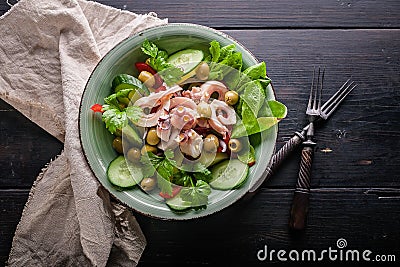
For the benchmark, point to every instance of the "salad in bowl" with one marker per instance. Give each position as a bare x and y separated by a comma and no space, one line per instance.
186,125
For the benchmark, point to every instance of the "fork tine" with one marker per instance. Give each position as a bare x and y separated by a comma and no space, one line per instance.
333,100
311,90
334,96
330,109
315,94
320,91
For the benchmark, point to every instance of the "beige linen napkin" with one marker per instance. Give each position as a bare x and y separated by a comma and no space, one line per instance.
48,49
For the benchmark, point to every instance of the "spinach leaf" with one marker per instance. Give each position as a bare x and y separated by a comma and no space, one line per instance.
261,124
253,95
278,109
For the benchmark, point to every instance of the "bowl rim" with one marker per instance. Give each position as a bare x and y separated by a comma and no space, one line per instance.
176,218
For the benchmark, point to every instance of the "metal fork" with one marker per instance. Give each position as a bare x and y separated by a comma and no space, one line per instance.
330,106
299,209
325,112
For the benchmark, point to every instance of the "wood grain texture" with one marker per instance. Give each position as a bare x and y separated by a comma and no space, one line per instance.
234,236
268,14
11,205
366,218
25,149
272,14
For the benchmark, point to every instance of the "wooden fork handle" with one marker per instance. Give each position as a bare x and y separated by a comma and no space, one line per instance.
299,209
283,153
278,158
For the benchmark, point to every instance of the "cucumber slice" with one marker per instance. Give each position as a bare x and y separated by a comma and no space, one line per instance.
176,203
122,174
186,59
126,81
229,174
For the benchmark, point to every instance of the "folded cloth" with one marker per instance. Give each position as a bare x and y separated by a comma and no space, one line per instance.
48,49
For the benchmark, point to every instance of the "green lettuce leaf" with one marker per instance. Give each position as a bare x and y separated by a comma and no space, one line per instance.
226,51
255,72
215,50
261,124
278,109
257,113
149,48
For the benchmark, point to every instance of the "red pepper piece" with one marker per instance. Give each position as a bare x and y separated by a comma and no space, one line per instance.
161,88
141,66
227,138
97,108
154,109
175,191
251,163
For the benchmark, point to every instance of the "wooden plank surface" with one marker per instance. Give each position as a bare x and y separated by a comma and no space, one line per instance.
268,14
12,202
25,148
366,218
234,236
273,14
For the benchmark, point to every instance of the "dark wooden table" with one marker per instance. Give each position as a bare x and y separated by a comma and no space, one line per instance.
355,187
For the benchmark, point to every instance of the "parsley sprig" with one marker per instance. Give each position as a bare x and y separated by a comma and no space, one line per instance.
158,61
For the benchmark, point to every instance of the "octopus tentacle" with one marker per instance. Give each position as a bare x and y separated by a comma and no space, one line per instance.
210,87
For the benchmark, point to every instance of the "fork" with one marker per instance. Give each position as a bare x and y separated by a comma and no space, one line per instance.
301,198
325,112
299,209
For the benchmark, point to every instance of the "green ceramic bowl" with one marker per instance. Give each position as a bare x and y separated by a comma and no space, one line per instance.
96,140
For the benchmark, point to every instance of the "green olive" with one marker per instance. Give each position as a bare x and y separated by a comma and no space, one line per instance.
147,78
204,110
231,98
133,154
202,71
210,143
147,148
148,184
235,145
152,138
117,144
